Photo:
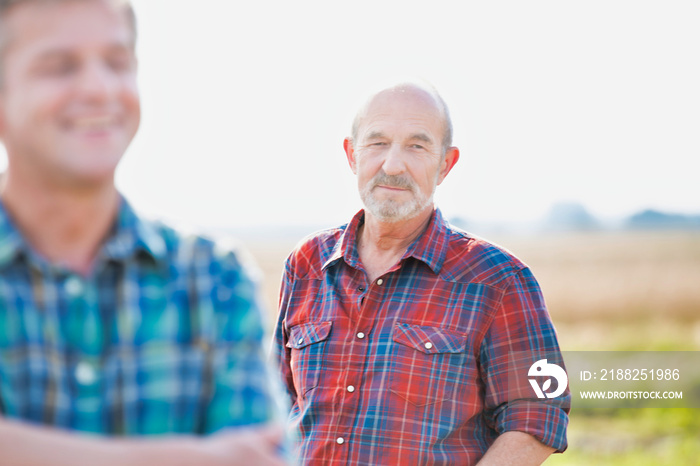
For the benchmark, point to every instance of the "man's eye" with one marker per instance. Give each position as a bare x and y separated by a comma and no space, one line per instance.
417,146
378,144
120,61
58,67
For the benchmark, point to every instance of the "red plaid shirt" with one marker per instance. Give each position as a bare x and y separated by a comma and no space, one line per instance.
413,367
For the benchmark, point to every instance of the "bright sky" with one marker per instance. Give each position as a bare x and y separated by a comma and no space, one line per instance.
246,104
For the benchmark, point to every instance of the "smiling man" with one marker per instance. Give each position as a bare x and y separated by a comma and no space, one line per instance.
396,331
109,324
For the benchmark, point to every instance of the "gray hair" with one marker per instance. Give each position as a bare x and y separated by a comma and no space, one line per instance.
423,86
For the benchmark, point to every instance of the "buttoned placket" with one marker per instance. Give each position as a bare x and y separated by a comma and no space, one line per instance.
352,383
366,296
81,302
63,295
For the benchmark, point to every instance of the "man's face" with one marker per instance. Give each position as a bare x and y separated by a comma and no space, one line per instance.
69,105
398,154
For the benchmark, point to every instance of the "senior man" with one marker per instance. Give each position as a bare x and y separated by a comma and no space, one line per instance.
398,333
110,324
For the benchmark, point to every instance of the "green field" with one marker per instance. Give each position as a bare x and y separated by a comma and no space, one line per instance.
606,291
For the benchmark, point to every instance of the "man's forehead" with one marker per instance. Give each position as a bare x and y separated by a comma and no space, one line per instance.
413,113
59,23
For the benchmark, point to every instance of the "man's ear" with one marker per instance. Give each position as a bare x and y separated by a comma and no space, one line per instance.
350,154
449,161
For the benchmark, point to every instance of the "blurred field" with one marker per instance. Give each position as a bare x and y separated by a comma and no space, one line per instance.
614,291
605,291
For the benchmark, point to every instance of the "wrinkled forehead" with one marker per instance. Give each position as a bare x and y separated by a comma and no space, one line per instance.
405,106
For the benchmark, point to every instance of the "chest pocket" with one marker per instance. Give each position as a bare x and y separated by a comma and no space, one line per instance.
429,362
307,342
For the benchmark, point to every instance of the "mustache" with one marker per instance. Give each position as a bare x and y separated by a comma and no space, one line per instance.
394,181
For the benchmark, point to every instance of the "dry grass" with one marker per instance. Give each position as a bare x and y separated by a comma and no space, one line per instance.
605,290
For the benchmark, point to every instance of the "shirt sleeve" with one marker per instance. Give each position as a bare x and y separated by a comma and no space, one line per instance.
521,333
244,389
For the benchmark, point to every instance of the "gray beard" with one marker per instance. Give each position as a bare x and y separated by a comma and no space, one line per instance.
389,210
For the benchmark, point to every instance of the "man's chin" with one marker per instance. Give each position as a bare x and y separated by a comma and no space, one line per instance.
392,213
87,175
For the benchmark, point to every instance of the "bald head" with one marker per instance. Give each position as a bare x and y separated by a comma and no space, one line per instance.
425,92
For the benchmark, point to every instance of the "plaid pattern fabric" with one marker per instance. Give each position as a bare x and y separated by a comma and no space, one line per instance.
412,368
164,336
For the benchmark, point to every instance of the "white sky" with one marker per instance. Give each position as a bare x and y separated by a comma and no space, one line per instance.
246,104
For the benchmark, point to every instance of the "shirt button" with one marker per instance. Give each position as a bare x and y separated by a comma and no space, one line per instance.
428,345
351,388
340,440
360,335
301,340
380,281
360,289
73,286
85,374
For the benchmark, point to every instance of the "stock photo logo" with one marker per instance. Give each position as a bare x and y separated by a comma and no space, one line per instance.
541,369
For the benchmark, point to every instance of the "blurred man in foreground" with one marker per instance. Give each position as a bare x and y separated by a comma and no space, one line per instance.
396,331
109,324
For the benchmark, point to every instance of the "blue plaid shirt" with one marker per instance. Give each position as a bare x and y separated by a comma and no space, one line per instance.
164,336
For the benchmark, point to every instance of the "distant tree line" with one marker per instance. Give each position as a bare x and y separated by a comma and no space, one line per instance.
575,217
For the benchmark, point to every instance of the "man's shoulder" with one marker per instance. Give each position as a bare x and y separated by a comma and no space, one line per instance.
202,254
471,258
311,253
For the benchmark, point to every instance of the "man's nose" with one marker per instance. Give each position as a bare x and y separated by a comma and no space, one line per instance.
96,81
394,163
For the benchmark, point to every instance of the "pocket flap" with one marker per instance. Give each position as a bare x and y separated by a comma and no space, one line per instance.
308,334
429,340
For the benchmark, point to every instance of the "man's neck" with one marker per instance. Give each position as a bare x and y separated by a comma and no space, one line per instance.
66,226
381,244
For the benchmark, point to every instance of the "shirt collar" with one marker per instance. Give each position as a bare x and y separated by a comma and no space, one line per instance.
346,247
430,247
129,235
132,234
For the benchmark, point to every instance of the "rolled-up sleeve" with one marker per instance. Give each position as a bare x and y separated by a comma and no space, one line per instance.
521,334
